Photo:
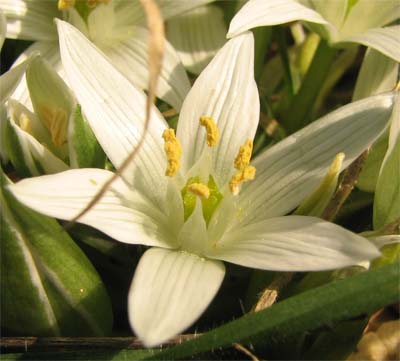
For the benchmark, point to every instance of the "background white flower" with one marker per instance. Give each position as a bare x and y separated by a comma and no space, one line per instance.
116,27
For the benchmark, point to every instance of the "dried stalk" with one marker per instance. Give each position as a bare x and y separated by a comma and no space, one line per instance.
346,186
270,294
246,351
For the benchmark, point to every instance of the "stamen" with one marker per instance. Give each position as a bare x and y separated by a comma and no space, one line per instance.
211,129
65,4
173,151
199,189
245,171
242,160
25,123
241,176
55,120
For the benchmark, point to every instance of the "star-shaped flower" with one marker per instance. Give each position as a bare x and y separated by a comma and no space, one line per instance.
186,195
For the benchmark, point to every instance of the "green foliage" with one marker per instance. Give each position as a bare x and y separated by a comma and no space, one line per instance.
48,286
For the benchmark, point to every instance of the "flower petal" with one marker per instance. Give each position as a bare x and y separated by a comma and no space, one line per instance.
130,57
293,243
289,171
115,111
10,80
49,51
367,14
171,8
385,40
227,92
170,290
30,19
272,12
131,12
378,74
197,36
122,213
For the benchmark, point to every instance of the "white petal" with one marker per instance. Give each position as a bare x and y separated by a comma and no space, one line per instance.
130,57
30,19
49,51
131,12
381,241
294,243
35,154
197,36
193,235
384,40
378,74
115,111
171,8
367,14
289,171
272,12
333,11
227,92
169,292
10,80
122,213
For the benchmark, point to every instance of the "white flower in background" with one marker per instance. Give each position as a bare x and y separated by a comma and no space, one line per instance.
186,196
117,27
197,35
338,21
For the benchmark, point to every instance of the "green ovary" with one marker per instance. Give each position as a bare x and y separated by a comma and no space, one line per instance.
209,204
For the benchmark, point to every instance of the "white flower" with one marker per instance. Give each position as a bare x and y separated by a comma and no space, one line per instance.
338,21
191,234
117,27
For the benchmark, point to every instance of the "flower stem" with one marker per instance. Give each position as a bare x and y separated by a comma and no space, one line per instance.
296,115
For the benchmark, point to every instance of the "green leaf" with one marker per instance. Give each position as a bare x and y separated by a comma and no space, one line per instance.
315,308
48,286
85,151
387,194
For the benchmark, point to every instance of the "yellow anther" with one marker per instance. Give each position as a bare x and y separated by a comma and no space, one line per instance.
65,4
199,189
242,160
243,175
211,129
173,151
56,121
25,123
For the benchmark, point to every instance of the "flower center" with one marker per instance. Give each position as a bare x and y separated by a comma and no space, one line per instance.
209,193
